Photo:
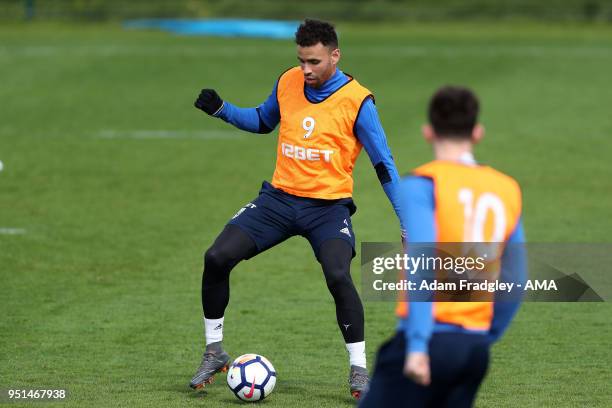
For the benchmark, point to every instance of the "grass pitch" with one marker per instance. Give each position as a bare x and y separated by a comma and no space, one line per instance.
114,185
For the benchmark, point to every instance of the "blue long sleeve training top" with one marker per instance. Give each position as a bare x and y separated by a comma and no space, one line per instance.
418,207
368,129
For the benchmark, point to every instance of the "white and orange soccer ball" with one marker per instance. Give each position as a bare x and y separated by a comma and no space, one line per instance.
251,377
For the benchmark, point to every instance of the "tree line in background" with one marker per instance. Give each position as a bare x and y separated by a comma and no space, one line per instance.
335,10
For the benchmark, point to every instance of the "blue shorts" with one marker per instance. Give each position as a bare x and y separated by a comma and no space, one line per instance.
275,216
458,364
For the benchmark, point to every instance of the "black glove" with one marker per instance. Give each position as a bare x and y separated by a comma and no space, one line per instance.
209,101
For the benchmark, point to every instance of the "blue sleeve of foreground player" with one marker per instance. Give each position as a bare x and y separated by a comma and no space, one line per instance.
513,270
262,119
418,207
370,133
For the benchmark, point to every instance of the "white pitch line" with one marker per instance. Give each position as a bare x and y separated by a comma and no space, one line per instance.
170,134
481,51
44,51
12,231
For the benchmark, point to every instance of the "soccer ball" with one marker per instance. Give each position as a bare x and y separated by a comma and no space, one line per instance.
251,377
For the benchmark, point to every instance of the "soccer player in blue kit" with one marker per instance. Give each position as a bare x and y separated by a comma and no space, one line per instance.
440,353
325,118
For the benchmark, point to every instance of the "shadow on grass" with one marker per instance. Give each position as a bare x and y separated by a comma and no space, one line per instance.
336,399
222,397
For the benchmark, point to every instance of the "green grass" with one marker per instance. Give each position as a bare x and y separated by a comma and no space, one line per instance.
101,294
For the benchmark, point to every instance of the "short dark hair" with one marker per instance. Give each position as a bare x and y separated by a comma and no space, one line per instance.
453,112
312,32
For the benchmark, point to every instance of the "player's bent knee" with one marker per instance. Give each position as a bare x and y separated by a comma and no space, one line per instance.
338,279
215,259
342,289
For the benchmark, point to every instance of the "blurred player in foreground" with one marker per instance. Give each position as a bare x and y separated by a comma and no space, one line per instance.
325,118
440,354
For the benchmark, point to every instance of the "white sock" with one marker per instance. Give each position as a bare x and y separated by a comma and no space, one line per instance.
357,355
213,330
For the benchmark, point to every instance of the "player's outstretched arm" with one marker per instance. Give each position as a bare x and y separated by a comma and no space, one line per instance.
371,134
262,119
417,207
513,270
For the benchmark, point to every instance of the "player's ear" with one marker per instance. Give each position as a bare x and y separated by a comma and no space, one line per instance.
478,133
428,133
335,56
